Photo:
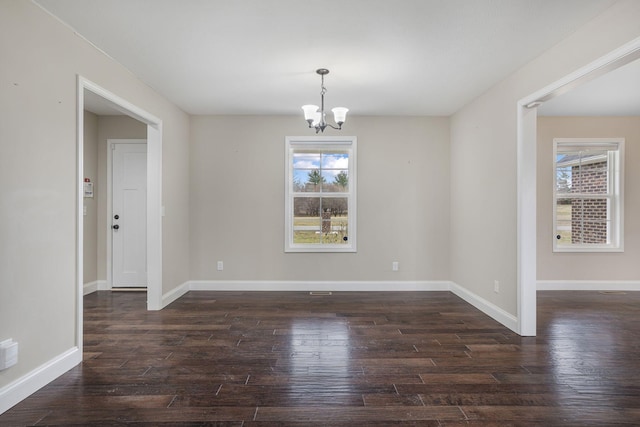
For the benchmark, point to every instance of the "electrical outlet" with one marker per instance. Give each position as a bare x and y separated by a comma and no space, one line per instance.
8,353
220,266
496,286
395,266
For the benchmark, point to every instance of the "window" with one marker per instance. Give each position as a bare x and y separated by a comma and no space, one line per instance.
320,202
588,184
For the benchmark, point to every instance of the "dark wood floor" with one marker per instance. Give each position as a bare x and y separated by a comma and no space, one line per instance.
349,359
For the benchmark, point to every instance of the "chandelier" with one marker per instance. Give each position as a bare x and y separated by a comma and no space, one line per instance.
315,117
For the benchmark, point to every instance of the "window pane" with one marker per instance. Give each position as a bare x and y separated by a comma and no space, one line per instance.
306,160
582,221
564,179
306,172
306,220
335,181
589,221
335,160
335,220
593,178
582,171
563,221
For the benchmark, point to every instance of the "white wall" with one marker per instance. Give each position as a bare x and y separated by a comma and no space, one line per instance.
483,153
237,200
588,266
41,59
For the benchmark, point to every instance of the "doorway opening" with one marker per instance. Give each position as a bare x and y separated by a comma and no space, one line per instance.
527,174
153,196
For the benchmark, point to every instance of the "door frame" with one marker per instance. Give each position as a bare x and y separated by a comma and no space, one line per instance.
527,118
154,196
109,239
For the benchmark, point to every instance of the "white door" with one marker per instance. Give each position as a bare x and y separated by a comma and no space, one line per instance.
129,215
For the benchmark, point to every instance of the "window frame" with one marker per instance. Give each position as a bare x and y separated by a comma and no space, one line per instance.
614,195
321,143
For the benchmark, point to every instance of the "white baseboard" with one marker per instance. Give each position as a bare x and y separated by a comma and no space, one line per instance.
588,285
308,286
488,308
90,287
174,294
96,285
23,387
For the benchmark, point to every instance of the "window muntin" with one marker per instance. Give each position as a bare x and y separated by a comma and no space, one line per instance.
320,194
587,214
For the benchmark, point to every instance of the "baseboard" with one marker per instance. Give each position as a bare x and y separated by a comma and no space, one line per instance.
174,294
96,285
23,387
488,308
588,285
308,286
90,287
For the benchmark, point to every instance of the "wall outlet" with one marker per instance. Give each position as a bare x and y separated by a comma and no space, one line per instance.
496,286
220,266
395,266
8,353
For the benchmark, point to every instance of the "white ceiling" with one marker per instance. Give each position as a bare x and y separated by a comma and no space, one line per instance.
409,57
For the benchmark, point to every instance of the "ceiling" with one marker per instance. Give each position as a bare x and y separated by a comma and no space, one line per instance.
414,57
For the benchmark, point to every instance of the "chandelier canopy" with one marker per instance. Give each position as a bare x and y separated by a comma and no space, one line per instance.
315,115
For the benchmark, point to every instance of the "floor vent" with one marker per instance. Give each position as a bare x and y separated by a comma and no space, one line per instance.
613,292
318,293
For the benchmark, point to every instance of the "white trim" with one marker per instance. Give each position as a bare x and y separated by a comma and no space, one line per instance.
90,288
320,143
615,59
526,220
96,285
155,212
23,387
79,215
174,294
308,286
588,285
154,195
526,172
488,308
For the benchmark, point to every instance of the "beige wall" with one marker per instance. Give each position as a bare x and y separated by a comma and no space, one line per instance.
483,153
237,200
110,127
90,232
41,59
588,266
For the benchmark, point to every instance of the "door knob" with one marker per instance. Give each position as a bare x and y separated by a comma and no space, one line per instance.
116,217
115,227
